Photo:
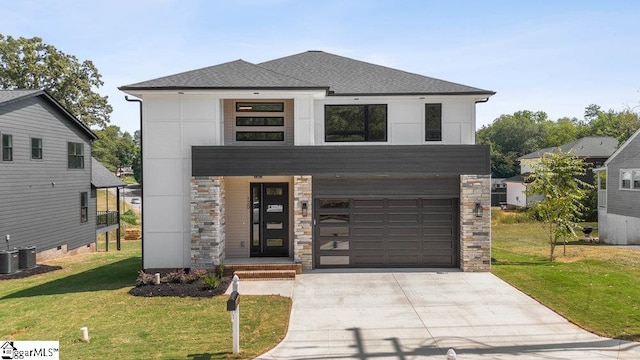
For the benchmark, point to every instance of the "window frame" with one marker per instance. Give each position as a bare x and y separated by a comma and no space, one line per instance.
366,123
75,155
84,207
430,131
40,148
634,179
6,149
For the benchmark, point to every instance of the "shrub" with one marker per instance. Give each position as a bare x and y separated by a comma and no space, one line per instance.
211,281
144,278
177,276
194,275
220,269
129,217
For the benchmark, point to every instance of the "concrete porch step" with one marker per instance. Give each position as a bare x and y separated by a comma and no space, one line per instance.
248,275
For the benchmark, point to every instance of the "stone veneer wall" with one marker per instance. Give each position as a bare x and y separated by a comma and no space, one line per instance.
302,228
475,232
207,221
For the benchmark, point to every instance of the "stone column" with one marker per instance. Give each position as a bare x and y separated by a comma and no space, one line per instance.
475,232
207,221
303,225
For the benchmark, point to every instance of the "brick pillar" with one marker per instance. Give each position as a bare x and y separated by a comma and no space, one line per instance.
302,230
475,232
207,221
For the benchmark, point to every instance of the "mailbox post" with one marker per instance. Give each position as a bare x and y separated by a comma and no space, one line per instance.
233,306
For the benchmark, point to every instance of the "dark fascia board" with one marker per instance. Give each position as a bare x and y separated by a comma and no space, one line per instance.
483,93
337,160
82,126
177,88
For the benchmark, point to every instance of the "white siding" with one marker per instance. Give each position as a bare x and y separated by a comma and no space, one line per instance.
516,194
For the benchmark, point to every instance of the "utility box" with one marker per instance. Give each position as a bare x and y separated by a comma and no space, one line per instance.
8,261
27,257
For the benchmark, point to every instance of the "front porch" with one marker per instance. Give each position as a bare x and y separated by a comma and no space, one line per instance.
262,268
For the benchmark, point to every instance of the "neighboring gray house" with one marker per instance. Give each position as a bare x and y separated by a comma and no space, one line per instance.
46,190
316,158
594,150
619,195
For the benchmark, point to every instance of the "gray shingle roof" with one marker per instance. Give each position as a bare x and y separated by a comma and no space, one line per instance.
591,146
347,76
101,177
9,95
235,74
310,70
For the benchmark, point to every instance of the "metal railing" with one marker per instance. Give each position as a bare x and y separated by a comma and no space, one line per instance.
106,218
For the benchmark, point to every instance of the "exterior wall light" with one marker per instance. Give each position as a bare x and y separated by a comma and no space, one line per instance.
305,208
478,210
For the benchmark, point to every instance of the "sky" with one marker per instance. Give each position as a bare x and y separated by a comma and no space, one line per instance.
552,56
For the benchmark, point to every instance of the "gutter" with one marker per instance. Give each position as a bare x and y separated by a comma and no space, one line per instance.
141,185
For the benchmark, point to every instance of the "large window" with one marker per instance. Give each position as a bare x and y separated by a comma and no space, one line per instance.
355,123
630,179
36,148
84,207
433,122
7,147
76,155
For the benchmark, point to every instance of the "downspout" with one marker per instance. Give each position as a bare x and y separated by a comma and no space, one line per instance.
141,185
482,101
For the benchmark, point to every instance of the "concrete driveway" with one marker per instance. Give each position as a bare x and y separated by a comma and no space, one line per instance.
420,315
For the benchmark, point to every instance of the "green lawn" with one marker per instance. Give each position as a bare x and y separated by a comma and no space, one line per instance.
91,290
596,287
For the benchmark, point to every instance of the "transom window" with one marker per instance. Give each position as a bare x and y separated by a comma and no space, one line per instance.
7,147
260,106
355,123
260,121
433,122
630,179
75,153
36,148
259,135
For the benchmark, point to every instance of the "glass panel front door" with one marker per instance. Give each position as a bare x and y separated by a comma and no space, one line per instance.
269,219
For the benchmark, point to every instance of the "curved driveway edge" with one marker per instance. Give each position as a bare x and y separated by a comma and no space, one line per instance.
398,314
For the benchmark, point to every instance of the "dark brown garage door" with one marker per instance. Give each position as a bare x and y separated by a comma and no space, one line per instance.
386,232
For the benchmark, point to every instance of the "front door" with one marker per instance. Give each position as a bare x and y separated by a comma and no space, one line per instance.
270,219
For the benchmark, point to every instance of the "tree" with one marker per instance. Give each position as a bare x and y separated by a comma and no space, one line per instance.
137,162
31,64
554,179
511,136
113,148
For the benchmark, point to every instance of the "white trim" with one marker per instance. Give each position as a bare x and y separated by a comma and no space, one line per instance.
631,187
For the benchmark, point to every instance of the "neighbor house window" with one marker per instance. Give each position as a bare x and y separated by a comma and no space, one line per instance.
630,179
433,122
7,147
355,123
84,207
36,148
76,155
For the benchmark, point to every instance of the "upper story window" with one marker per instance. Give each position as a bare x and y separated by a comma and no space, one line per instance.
36,148
260,127
630,179
433,122
355,123
7,147
75,153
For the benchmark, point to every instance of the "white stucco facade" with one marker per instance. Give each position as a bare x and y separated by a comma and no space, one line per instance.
173,122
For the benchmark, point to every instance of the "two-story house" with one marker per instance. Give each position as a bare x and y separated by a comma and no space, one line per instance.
619,195
49,180
322,159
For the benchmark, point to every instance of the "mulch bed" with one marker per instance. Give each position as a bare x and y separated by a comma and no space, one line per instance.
23,273
195,289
